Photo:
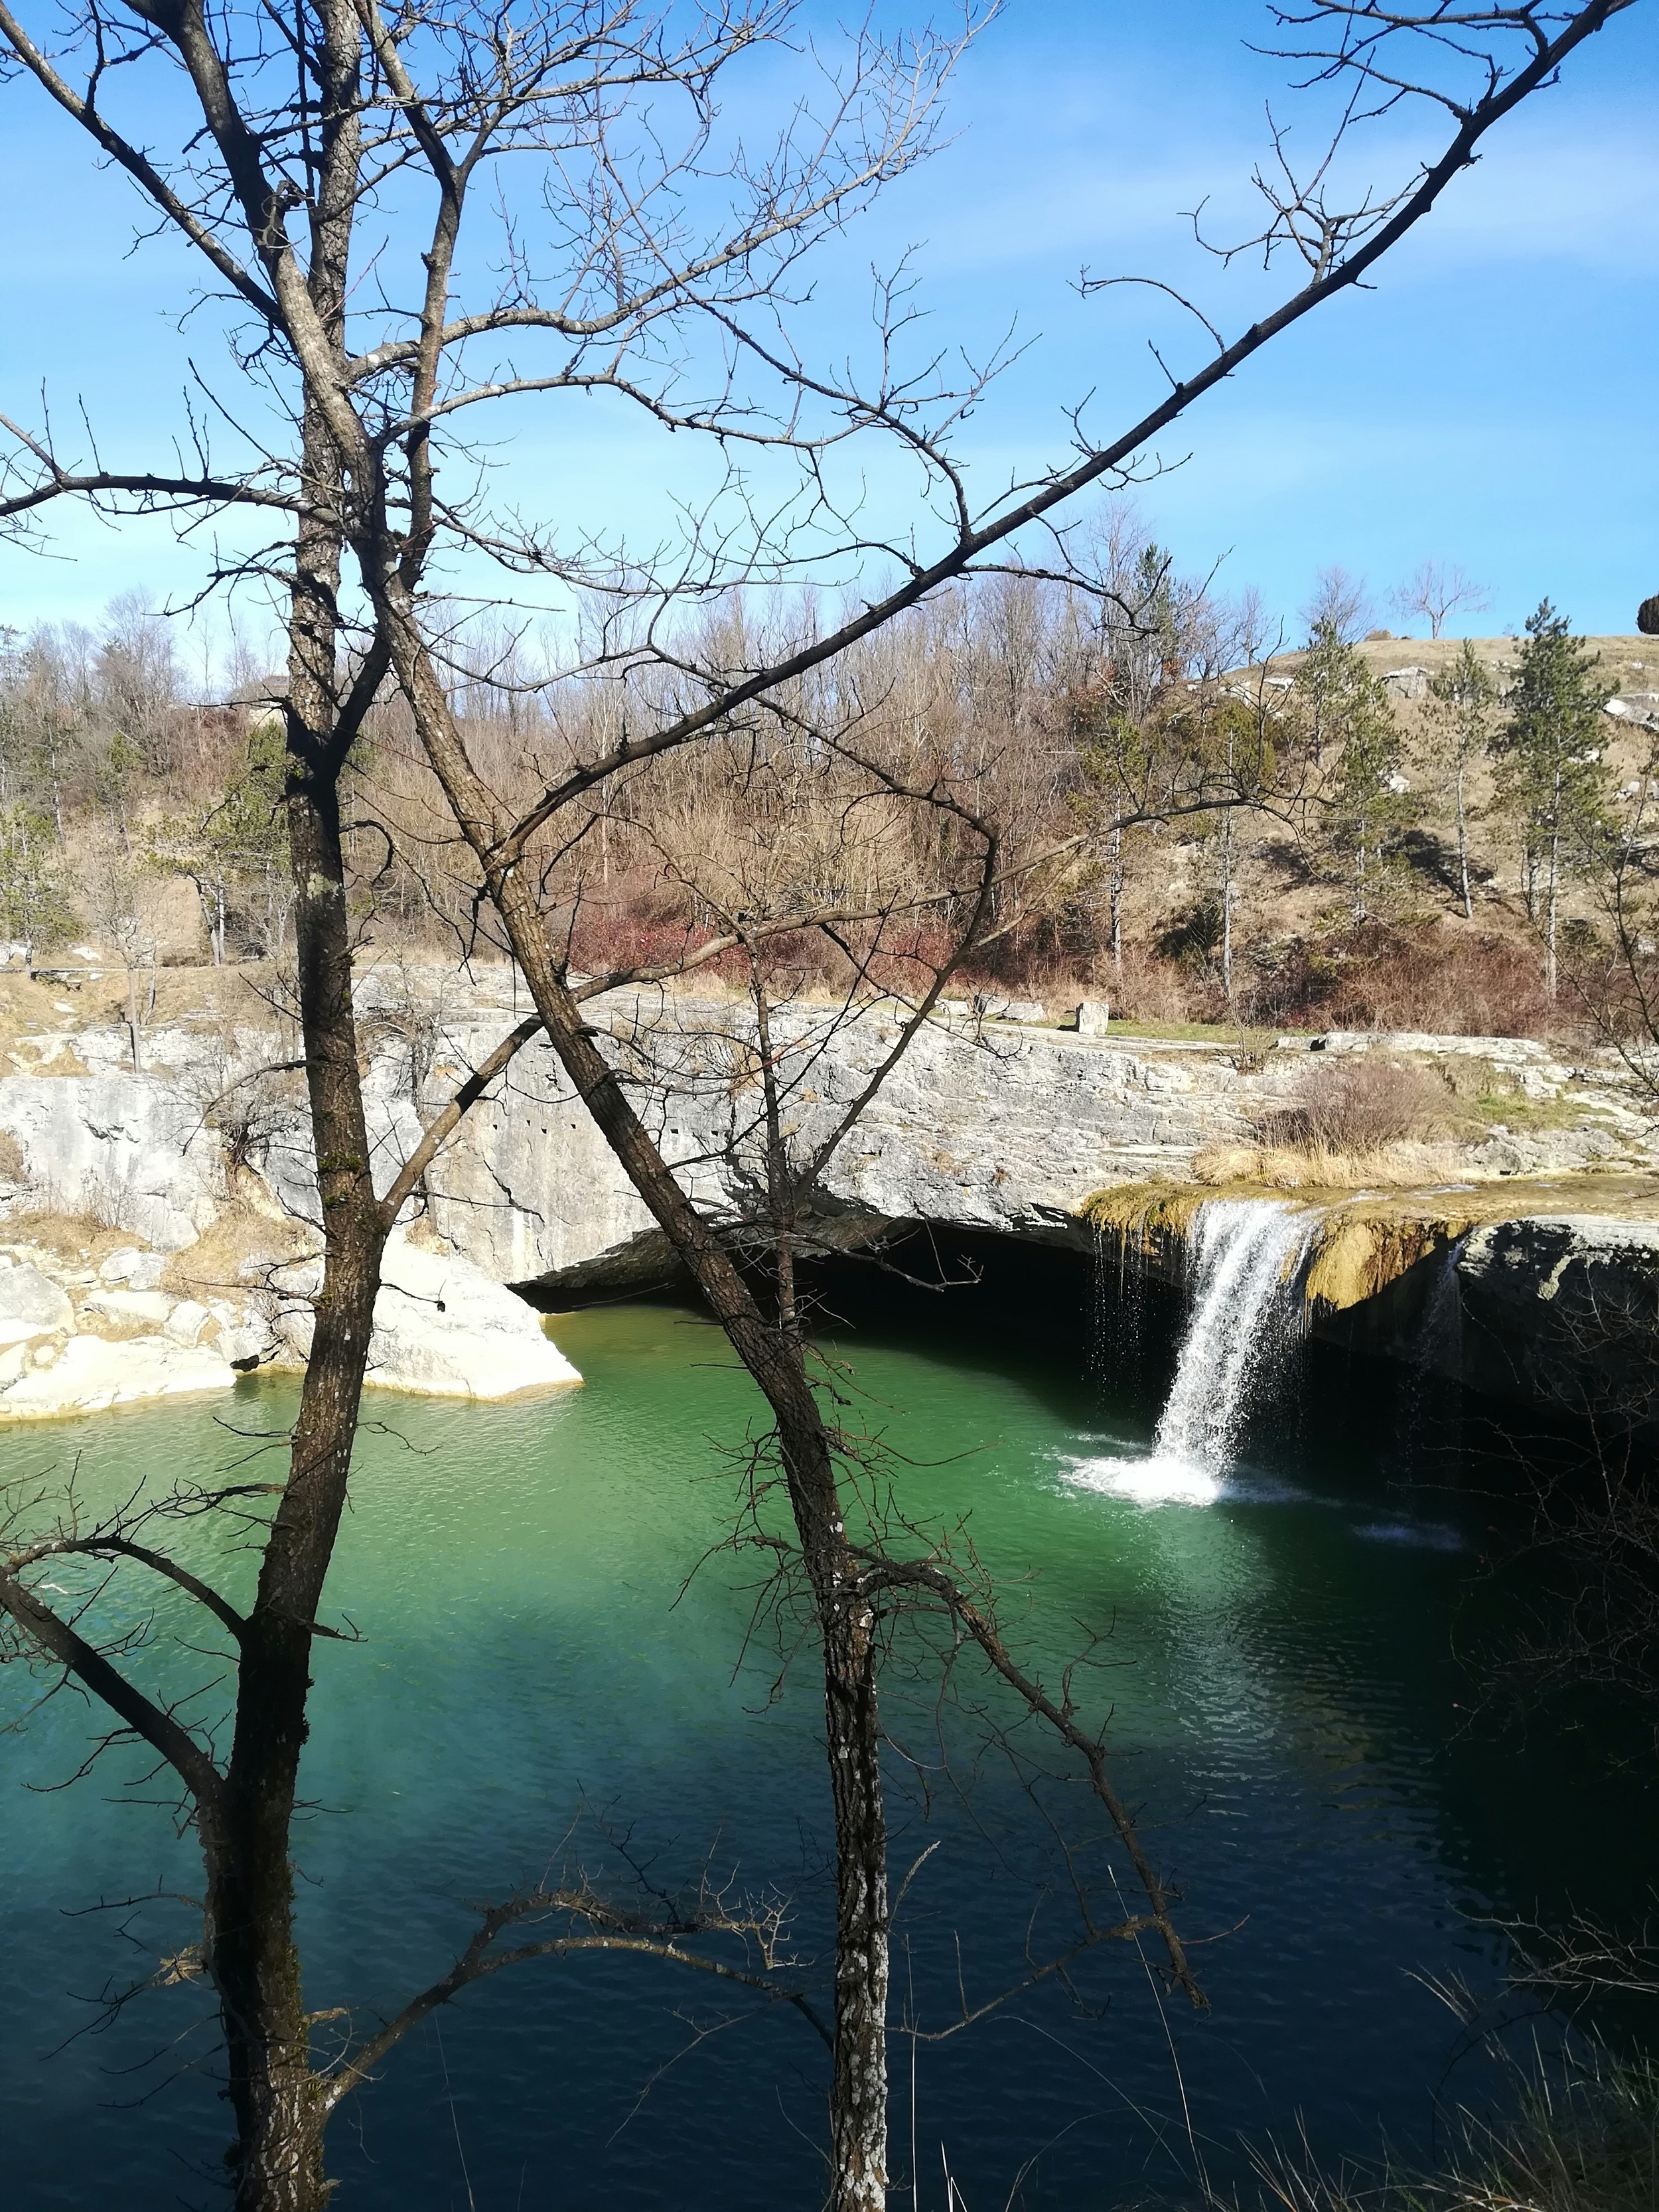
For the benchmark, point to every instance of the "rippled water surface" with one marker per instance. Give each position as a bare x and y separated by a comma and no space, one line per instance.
1277,1650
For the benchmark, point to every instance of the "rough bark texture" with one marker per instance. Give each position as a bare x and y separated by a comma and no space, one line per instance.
251,1951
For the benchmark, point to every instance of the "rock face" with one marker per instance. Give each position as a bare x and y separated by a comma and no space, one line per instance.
981,1127
1565,1309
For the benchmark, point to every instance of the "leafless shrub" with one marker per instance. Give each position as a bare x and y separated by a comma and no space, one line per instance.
1446,979
1361,1105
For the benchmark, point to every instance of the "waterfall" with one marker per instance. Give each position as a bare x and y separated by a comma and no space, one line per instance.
1246,1258
1246,1308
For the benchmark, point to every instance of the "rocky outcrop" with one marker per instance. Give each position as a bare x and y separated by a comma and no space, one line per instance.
78,1341
1564,1309
982,1127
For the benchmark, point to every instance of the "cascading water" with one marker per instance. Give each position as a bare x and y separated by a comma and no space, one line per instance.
1246,1310
1246,1255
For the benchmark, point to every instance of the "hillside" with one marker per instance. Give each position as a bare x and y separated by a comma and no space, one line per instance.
143,845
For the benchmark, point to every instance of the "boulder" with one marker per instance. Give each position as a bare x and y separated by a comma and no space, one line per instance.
442,1328
1093,1018
89,1376
186,1322
33,1301
135,1270
141,1309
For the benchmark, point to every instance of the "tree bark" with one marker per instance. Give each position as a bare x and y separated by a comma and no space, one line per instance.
274,2094
774,1357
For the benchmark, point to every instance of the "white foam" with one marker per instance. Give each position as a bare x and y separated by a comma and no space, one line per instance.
1160,1480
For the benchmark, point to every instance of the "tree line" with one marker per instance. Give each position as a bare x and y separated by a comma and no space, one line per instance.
1100,730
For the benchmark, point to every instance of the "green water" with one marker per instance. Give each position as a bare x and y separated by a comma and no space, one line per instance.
1282,1666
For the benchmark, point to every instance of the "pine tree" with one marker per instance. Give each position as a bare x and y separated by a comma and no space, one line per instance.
1463,702
34,906
1551,779
1341,705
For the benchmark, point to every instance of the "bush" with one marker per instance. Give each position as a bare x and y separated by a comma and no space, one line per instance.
1361,1105
1447,980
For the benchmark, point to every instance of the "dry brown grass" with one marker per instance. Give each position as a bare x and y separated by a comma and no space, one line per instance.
67,1236
1361,1105
1315,1166
210,1268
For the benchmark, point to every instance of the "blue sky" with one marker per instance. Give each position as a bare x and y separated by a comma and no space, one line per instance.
1490,403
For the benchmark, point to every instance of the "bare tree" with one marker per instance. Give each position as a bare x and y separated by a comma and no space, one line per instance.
1340,606
1435,590
632,288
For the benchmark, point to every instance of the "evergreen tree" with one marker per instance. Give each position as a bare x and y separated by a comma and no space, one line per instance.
34,906
1343,708
234,853
1551,779
1461,704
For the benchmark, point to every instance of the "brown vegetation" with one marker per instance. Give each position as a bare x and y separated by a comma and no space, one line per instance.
1360,1105
1007,682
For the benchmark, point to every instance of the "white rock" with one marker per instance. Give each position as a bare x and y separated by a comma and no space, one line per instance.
27,1295
186,1322
138,1271
90,1375
441,1326
247,1344
119,1146
1093,1018
24,1332
152,1306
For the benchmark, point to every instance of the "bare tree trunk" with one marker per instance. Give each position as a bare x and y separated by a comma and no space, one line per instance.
1463,846
857,2095
775,1358
1227,906
274,2094
1117,896
1551,915
132,1018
